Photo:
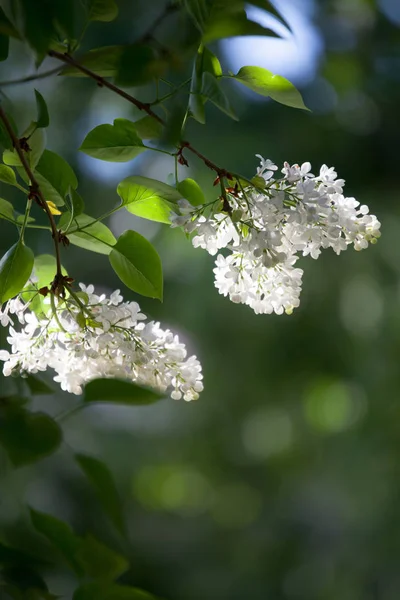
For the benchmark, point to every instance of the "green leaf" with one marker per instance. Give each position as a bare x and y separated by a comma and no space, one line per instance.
13,556
115,143
37,144
39,29
37,386
77,203
211,90
43,119
4,47
148,128
44,269
102,480
270,8
206,62
98,591
229,19
119,391
60,535
15,269
137,264
27,580
139,64
28,437
102,10
55,177
6,210
99,561
5,140
190,189
7,175
96,237
6,27
102,61
148,198
265,83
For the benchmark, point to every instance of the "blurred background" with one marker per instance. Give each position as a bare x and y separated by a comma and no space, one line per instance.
283,480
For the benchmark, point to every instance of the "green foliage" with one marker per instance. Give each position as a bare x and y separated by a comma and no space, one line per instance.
96,591
43,119
37,386
190,189
265,83
206,62
148,198
37,144
55,177
15,269
139,64
137,264
102,61
40,434
102,10
148,128
101,478
85,232
211,90
119,391
7,175
119,142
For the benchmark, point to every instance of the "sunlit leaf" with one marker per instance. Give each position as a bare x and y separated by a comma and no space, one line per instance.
15,269
102,480
119,391
148,198
190,189
265,83
119,142
28,437
137,264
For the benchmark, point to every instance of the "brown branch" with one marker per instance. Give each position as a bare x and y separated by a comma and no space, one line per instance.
68,59
35,190
30,78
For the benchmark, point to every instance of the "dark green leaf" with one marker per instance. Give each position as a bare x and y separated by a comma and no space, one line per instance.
97,591
6,210
270,8
115,143
15,269
102,61
4,46
26,436
148,128
38,25
265,83
102,10
119,391
7,175
96,237
148,198
206,62
37,386
102,480
77,203
6,27
5,140
99,561
211,90
26,579
139,64
229,19
12,556
43,119
190,189
55,177
137,264
60,535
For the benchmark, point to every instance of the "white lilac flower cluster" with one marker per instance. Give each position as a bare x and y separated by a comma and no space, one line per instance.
269,225
89,336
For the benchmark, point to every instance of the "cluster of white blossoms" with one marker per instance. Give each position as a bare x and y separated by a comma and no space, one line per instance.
87,336
269,225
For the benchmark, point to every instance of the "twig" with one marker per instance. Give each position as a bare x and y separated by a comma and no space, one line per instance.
32,77
34,187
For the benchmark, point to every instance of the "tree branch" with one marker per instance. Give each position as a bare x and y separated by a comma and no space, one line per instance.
35,190
30,77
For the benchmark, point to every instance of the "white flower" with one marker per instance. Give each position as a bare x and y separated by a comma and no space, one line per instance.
100,337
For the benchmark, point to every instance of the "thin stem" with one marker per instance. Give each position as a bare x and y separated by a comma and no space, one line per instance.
170,94
35,189
32,77
26,217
